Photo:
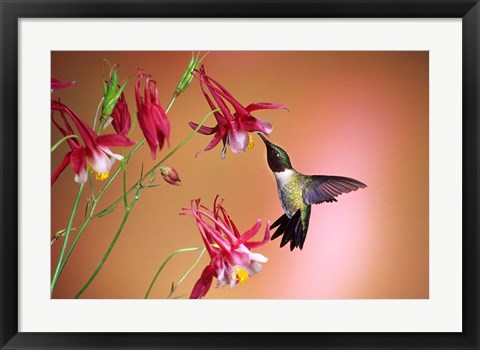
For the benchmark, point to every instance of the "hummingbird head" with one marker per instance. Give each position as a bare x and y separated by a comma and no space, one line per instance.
277,158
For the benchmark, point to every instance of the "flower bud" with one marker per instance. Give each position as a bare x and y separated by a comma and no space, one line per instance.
111,93
187,76
170,175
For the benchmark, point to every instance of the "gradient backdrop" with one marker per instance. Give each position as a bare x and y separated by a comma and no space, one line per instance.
357,114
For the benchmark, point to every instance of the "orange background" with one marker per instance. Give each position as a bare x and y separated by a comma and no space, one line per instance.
357,114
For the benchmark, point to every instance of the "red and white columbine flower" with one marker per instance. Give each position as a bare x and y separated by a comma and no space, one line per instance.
232,260
95,155
232,128
152,118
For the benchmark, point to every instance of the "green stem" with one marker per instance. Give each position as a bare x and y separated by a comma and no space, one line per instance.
172,152
55,146
165,263
96,112
187,273
56,274
92,190
124,167
103,120
77,237
132,152
112,244
171,102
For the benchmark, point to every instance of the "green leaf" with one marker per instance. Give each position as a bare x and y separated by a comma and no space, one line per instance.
141,173
122,87
105,212
86,209
152,177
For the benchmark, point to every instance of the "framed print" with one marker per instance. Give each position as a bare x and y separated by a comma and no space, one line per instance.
167,200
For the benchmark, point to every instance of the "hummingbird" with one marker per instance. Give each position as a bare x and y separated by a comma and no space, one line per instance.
297,193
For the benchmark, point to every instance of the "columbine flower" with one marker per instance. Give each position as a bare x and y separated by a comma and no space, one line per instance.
57,84
170,175
232,129
95,155
151,116
231,258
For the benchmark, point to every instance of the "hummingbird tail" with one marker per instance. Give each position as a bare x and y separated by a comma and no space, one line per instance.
291,229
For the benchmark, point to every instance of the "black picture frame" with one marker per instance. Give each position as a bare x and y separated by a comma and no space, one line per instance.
13,10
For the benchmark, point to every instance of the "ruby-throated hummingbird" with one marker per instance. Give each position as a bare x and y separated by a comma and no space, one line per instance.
298,192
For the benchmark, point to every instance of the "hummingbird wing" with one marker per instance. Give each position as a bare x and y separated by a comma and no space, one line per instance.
322,188
294,229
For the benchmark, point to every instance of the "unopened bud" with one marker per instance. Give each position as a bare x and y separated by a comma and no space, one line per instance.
170,175
187,76
111,92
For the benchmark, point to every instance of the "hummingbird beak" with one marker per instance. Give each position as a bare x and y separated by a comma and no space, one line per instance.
267,143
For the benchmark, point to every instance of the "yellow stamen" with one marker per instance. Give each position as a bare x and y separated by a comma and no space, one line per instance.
241,275
251,143
98,176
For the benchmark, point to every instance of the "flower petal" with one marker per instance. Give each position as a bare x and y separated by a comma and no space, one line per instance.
238,140
114,140
222,271
122,121
149,131
81,178
254,268
226,114
78,160
57,84
218,116
258,257
109,153
60,168
229,222
264,105
86,132
162,124
239,256
204,130
252,124
203,284
250,233
266,238
99,161
216,139
219,90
